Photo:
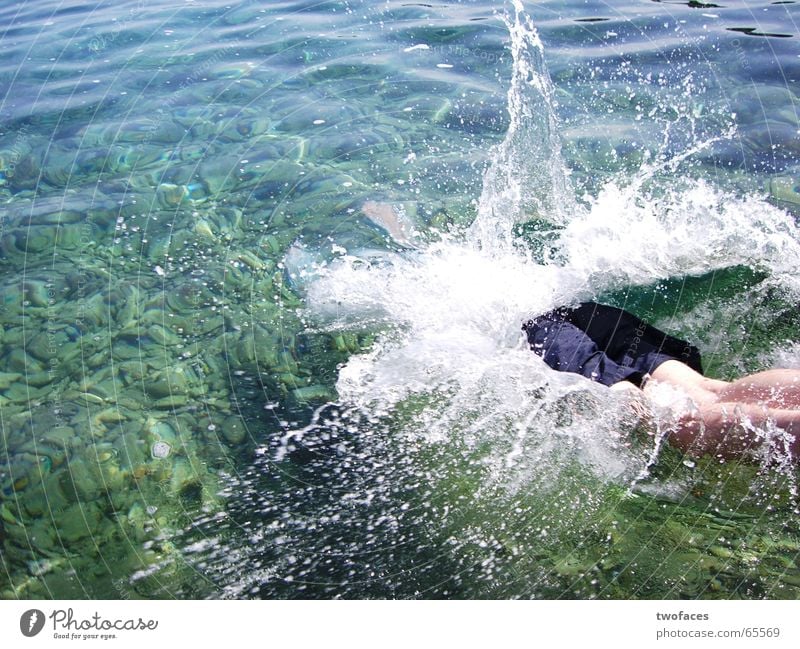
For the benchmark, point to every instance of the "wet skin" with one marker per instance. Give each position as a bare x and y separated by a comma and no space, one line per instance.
714,425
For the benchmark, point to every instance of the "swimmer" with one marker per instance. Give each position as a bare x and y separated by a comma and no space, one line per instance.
615,348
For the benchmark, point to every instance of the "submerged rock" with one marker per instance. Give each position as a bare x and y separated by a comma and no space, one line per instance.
168,403
170,195
7,379
311,393
785,189
234,430
160,450
184,478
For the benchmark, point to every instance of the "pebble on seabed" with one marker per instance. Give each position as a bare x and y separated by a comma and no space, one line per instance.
160,450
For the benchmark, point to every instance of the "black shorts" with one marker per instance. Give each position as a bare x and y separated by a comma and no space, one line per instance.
605,344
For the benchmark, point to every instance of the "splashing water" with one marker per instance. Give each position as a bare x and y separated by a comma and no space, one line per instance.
452,311
449,432
527,176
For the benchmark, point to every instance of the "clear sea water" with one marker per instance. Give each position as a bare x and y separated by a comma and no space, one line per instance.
220,379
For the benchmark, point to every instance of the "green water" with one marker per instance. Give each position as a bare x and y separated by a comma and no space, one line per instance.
157,164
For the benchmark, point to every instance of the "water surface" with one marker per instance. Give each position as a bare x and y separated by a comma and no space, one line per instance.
218,378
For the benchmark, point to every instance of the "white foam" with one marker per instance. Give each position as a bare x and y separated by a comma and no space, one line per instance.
451,312
632,237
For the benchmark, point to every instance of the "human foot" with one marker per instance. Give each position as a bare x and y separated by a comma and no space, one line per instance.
394,221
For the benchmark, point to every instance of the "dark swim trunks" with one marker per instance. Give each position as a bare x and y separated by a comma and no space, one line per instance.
605,344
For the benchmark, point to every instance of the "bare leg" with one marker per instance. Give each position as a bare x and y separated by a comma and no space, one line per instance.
715,426
395,223
701,389
772,388
717,429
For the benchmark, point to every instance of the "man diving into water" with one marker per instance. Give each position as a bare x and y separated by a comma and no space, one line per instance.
615,348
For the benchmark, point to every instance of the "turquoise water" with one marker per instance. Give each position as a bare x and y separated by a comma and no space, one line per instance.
218,378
